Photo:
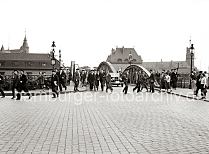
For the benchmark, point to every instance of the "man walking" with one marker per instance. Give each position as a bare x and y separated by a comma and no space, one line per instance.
22,85
54,84
125,80
151,81
91,79
76,80
15,80
1,86
102,79
63,79
108,82
138,83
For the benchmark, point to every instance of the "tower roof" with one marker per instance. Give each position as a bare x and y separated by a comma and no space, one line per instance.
2,48
25,43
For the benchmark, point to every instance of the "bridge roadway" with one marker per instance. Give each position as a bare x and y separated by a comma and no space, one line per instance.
99,122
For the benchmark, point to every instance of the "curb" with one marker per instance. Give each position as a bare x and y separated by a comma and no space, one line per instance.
181,95
45,93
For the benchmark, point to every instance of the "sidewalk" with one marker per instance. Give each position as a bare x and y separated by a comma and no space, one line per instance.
188,93
37,92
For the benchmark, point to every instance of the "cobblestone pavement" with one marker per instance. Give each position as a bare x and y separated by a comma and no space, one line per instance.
189,93
97,122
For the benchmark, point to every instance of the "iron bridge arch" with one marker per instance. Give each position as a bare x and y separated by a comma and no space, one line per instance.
133,71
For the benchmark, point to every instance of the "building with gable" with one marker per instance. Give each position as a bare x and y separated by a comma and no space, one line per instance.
22,59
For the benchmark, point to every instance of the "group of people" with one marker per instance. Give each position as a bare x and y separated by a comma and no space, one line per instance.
199,81
19,83
94,78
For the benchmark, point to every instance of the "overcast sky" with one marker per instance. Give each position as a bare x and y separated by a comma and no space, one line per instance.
87,30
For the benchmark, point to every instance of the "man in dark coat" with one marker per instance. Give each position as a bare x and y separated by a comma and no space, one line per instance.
63,80
22,85
15,80
108,82
54,84
125,80
102,79
91,80
1,86
97,80
174,79
138,83
152,81
76,80
83,77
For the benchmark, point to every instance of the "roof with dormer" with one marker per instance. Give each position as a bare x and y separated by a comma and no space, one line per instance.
121,56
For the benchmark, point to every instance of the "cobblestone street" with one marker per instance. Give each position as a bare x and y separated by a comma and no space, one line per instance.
99,122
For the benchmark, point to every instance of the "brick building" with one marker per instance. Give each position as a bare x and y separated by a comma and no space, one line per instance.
31,63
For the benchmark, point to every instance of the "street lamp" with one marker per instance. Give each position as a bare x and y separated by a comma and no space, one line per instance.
192,57
53,60
130,58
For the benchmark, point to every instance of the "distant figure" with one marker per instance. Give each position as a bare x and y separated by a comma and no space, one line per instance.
41,80
54,84
108,82
162,81
83,78
91,79
63,80
22,85
144,82
174,79
1,86
198,83
203,85
138,83
151,81
193,77
76,80
15,80
102,79
168,81
97,80
125,80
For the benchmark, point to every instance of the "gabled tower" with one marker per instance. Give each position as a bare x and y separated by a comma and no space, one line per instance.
2,48
25,48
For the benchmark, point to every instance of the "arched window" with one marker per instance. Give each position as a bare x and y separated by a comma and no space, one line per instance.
119,60
134,60
126,60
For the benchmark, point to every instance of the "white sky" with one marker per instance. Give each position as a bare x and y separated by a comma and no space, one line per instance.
87,30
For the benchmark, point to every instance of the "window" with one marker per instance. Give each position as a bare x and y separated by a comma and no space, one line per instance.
29,73
15,63
2,64
43,64
29,63
2,73
126,60
119,60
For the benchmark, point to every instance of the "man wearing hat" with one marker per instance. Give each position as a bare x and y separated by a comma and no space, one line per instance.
76,80
1,86
91,79
54,84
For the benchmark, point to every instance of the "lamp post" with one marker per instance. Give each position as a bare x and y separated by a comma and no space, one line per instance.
192,57
130,58
53,61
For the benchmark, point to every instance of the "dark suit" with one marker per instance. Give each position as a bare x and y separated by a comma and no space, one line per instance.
54,84
91,80
63,78
102,80
1,85
152,80
76,81
15,80
22,86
